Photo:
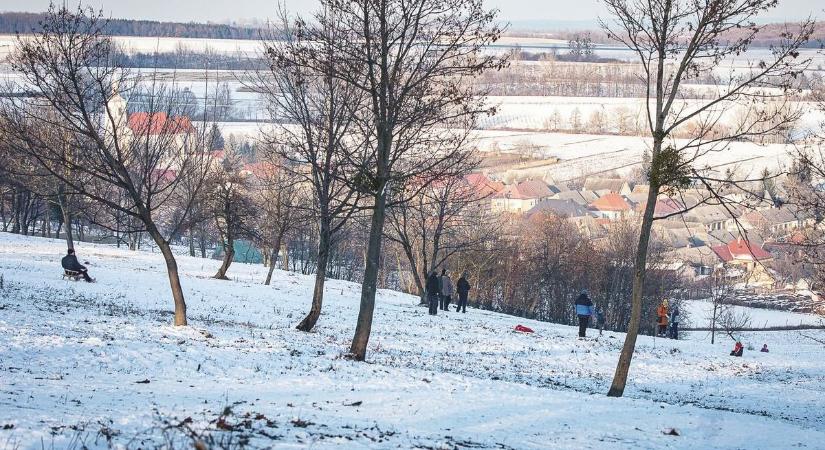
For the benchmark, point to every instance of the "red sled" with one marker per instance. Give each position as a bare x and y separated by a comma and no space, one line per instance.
523,329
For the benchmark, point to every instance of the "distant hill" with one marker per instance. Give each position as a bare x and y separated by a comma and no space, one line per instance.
24,22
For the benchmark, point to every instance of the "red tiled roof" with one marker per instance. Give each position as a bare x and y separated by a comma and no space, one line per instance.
526,190
610,202
484,185
740,249
144,123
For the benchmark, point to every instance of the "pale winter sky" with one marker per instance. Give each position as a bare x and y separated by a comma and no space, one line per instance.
520,12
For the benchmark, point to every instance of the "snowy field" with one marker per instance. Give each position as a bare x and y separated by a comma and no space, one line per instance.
700,311
99,364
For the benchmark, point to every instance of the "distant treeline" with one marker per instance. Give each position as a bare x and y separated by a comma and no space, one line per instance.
23,22
770,34
187,59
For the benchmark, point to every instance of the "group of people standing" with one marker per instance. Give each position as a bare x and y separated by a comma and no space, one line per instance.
667,320
440,291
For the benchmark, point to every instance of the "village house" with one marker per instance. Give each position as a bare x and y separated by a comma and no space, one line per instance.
173,134
611,206
746,260
694,263
713,217
520,198
778,222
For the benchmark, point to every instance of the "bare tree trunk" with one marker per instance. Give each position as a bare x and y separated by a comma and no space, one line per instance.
191,242
174,278
358,349
713,326
67,217
202,242
623,367
320,278
273,261
228,256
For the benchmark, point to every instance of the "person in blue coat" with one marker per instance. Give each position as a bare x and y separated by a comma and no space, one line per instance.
584,310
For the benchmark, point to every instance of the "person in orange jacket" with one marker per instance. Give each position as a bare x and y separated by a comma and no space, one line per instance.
661,314
738,349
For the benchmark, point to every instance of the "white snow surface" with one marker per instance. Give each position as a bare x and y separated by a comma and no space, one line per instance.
72,356
700,312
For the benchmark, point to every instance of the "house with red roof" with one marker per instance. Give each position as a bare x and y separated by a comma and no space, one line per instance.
520,198
159,123
611,206
742,255
483,185
741,251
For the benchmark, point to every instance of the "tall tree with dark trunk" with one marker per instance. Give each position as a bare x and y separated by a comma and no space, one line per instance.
677,41
317,111
413,61
133,164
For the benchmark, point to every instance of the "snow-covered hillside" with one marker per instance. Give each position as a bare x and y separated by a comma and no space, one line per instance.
94,364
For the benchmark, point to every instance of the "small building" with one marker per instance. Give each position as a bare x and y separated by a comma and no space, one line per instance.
520,198
742,253
713,217
611,206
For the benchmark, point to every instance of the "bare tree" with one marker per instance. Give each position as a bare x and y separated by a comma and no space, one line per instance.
316,111
720,290
280,204
414,62
132,164
230,204
677,41
440,221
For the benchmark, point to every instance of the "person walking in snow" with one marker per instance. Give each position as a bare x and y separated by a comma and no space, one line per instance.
600,320
463,289
446,290
433,289
661,321
70,262
584,309
674,322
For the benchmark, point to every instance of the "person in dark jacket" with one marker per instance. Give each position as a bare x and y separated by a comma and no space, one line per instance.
446,290
463,289
70,262
674,323
584,309
765,348
433,288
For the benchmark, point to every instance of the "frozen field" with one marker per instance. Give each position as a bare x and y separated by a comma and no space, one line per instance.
100,364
